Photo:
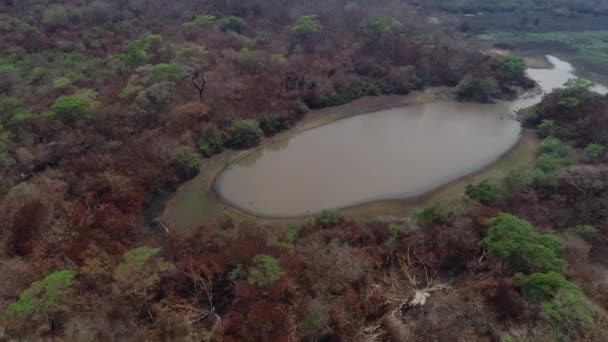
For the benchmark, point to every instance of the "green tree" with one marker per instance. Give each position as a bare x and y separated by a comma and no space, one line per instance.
191,55
232,23
437,212
576,86
511,67
305,27
245,133
521,247
380,27
272,124
43,299
70,108
167,73
139,274
595,151
185,161
477,89
574,89
485,192
247,60
265,271
584,231
137,52
541,287
568,313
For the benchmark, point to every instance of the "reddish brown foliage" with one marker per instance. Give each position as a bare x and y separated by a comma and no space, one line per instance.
26,226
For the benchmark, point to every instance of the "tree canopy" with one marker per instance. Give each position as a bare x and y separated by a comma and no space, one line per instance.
46,297
524,249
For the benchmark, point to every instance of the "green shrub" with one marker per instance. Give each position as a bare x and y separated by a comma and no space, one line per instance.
61,82
211,143
247,60
568,313
435,212
328,219
546,180
291,232
300,108
232,23
283,246
569,101
553,156
546,128
550,162
8,106
136,258
44,298
262,38
394,232
156,97
476,89
316,319
135,56
245,133
552,145
511,67
347,94
70,108
515,178
237,273
278,59
265,271
485,192
19,117
584,231
573,90
576,86
137,52
185,161
540,287
272,124
167,73
199,20
242,39
595,151
9,77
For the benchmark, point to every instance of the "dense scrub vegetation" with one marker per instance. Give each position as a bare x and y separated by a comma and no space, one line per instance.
106,106
561,7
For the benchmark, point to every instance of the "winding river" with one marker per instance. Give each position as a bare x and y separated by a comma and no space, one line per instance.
394,153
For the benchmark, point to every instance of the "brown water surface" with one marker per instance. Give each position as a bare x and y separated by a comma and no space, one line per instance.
394,153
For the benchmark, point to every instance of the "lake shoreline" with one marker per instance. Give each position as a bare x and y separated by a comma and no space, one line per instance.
212,168
198,201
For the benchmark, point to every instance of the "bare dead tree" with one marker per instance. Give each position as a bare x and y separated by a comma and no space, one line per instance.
199,81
